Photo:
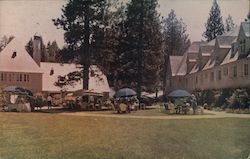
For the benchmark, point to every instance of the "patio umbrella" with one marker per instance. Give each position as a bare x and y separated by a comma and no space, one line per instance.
125,92
179,93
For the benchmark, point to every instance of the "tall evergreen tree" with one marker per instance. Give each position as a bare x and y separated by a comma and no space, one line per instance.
109,53
4,41
79,20
214,25
229,23
52,50
29,47
176,40
133,49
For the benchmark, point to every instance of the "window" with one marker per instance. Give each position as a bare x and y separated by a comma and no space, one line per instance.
17,77
24,77
1,76
225,71
196,79
219,75
4,77
244,46
21,77
211,76
201,78
206,75
51,72
246,72
28,78
10,77
13,55
235,71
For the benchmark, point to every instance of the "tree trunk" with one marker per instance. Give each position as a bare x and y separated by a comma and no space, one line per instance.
86,54
140,50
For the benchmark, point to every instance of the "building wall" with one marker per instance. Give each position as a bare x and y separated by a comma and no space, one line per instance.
231,75
31,81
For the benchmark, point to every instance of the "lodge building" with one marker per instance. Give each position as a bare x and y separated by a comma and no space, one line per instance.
18,68
221,63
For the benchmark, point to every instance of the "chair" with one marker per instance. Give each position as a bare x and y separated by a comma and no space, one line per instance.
122,108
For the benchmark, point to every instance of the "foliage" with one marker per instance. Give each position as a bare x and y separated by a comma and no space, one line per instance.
29,47
52,50
229,23
214,25
4,41
225,98
176,40
208,97
140,44
81,20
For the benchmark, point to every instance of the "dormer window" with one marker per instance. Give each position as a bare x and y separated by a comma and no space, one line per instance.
13,55
51,72
244,45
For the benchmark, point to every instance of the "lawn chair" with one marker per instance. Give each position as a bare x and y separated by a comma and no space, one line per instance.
122,108
171,108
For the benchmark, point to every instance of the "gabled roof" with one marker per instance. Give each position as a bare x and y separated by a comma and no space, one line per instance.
210,64
225,41
194,47
14,58
182,68
233,32
211,43
246,28
175,62
97,83
229,57
194,69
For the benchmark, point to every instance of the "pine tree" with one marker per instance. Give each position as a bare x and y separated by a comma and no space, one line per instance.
29,47
130,45
79,20
109,53
214,25
176,40
229,23
52,50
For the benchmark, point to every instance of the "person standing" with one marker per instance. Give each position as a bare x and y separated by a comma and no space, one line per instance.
49,101
194,104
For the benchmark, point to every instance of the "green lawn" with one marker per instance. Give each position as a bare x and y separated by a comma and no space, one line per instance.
54,136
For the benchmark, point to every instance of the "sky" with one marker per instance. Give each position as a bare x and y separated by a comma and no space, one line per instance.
25,18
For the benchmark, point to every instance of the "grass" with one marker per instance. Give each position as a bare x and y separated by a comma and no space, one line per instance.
54,136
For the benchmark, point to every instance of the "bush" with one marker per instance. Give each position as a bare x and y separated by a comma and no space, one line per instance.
225,98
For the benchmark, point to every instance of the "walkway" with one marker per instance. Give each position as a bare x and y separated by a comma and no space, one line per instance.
214,114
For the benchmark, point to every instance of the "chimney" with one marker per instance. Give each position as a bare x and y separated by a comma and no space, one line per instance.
37,49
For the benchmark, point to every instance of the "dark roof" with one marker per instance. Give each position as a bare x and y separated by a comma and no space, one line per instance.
194,47
225,41
246,28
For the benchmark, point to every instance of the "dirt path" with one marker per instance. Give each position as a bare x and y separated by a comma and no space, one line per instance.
213,115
